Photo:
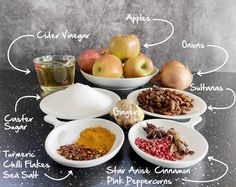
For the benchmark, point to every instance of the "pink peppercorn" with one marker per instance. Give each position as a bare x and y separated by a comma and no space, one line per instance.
159,148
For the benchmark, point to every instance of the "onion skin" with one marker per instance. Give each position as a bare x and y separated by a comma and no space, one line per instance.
176,75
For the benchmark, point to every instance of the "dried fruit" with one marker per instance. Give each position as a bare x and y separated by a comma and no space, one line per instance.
164,101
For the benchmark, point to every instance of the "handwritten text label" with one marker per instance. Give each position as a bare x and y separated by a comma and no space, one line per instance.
65,35
202,87
120,175
11,123
137,19
21,160
192,45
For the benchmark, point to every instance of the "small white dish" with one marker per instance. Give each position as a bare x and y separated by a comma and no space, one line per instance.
194,139
47,110
68,132
119,83
199,106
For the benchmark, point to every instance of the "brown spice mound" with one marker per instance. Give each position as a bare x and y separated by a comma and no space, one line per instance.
166,102
79,152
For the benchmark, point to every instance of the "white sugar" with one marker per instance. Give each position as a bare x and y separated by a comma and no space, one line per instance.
80,100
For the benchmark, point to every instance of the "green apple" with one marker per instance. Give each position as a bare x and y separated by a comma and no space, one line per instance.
124,46
108,66
138,66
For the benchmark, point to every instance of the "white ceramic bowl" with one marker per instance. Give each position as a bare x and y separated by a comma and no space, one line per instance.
47,108
199,105
193,138
119,83
67,133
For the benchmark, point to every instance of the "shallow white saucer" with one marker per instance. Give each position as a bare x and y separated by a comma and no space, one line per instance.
199,106
67,133
193,138
44,106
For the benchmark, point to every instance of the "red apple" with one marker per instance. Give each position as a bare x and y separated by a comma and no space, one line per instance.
124,46
138,66
87,59
108,66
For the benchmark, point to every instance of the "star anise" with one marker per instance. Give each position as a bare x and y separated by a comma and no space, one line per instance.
154,132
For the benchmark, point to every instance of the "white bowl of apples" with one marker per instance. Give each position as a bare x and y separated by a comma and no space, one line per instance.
119,83
120,67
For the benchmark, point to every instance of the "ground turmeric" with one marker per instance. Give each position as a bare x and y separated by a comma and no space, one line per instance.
98,138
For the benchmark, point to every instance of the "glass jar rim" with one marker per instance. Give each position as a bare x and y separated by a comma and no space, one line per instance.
47,58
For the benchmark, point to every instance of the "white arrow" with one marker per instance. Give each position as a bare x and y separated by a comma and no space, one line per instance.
69,173
200,73
172,32
27,71
37,97
211,108
210,158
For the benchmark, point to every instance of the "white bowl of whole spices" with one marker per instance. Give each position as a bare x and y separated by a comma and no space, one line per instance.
183,147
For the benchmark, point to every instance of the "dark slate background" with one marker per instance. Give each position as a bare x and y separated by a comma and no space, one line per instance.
206,21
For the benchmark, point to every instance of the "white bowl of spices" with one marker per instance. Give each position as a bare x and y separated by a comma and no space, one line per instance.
80,143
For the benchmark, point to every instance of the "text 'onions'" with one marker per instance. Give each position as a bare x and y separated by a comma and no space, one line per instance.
176,75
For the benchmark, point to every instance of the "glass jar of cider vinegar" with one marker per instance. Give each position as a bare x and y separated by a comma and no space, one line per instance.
55,72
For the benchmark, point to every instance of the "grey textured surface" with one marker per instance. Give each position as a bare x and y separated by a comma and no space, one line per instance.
218,127
206,21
